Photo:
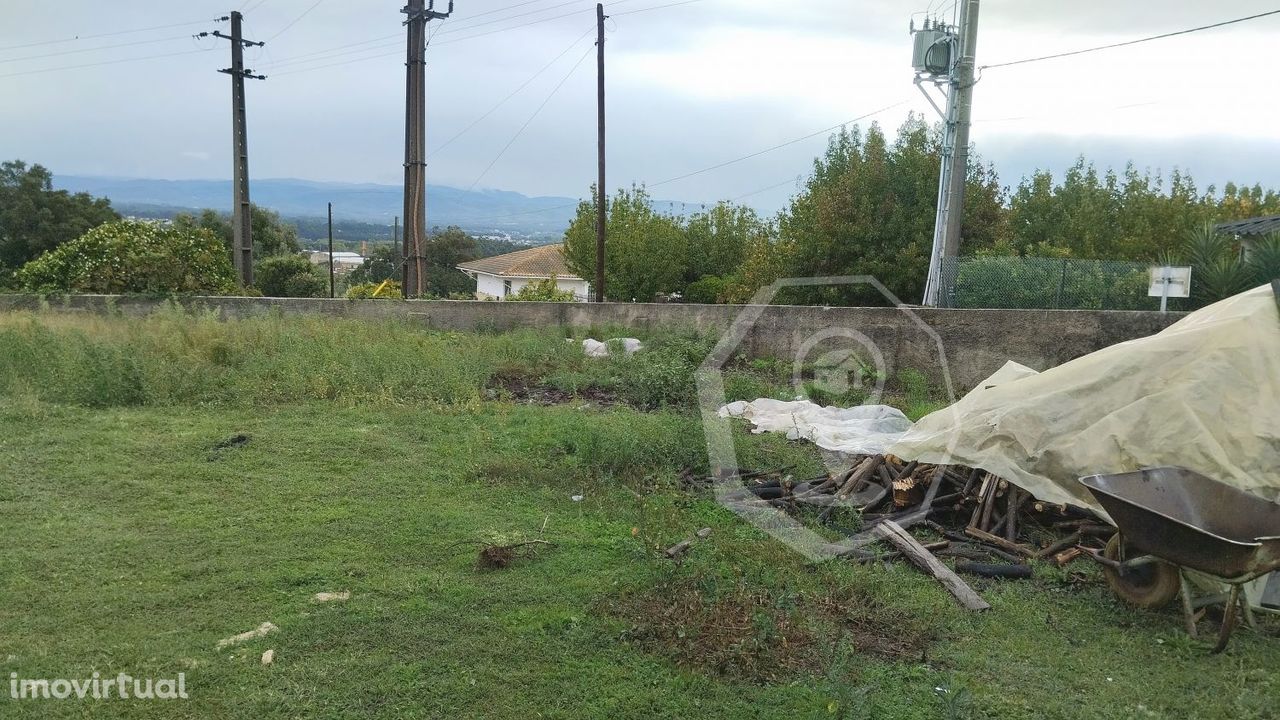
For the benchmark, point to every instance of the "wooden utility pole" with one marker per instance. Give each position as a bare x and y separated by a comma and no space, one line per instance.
415,140
242,214
601,195
332,292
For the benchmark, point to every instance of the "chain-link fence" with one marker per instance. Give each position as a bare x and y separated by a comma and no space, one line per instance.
1045,283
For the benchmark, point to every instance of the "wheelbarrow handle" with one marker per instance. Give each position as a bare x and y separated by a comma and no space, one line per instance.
1119,565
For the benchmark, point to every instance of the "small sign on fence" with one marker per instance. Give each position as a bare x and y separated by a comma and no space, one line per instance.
1170,282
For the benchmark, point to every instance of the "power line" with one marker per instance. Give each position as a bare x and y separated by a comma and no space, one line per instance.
340,62
106,62
327,51
92,49
788,143
657,7
293,59
513,17
535,114
513,93
1161,36
328,54
788,181
103,35
295,21
438,42
453,28
721,165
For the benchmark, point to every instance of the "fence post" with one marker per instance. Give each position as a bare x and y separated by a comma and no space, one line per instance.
1107,280
1062,282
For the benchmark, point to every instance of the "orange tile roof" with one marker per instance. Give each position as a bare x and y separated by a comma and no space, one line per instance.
538,262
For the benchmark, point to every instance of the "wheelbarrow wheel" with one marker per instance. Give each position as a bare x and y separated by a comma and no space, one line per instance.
1150,586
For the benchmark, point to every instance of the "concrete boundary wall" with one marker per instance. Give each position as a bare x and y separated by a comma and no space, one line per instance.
975,342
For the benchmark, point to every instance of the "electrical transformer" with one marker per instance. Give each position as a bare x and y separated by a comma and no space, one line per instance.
932,52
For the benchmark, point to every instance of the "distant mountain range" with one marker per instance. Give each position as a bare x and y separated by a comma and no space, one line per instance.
499,212
477,211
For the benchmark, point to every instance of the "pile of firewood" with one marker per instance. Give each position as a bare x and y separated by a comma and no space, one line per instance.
990,525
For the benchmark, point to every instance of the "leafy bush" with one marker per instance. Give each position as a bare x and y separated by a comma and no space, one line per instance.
542,291
389,290
706,291
134,257
290,276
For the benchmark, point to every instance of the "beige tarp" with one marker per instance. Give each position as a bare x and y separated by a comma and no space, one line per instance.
1203,394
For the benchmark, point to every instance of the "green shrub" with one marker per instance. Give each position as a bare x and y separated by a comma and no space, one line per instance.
543,291
706,291
290,276
389,290
131,256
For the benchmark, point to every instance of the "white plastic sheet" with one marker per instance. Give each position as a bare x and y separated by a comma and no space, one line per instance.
866,429
1203,394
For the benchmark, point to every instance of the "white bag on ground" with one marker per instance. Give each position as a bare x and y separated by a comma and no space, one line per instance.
597,349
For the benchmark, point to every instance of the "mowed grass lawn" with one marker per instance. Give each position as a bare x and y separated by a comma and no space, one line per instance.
131,544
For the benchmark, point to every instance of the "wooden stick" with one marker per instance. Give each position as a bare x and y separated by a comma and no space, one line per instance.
1063,544
999,542
917,554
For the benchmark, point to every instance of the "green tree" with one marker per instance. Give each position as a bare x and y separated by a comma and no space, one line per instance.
35,218
718,239
290,276
645,252
130,256
445,249
271,235
448,247
868,209
382,263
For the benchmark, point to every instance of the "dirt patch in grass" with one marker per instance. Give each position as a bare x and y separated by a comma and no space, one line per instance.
520,388
762,635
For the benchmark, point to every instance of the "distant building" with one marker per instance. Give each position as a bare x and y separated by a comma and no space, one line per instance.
503,275
343,262
1250,230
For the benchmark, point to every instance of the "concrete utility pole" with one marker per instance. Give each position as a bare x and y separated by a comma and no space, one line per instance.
241,215
602,199
959,45
415,140
331,283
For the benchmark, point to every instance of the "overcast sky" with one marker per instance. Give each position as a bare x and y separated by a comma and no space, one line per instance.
690,86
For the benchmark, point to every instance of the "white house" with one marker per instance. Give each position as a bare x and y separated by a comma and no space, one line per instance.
503,275
343,262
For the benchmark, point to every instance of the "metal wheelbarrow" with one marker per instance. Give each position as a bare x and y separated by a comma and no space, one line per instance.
1171,520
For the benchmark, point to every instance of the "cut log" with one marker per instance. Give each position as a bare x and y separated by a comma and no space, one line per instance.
1067,556
990,570
1063,544
859,476
925,560
988,538
679,548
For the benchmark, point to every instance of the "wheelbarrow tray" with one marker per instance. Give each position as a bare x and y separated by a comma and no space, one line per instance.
1185,518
